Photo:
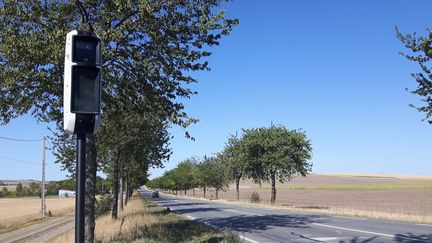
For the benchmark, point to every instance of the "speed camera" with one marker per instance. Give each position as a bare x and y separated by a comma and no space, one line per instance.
82,83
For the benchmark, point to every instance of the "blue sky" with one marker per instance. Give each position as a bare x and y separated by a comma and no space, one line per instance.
331,68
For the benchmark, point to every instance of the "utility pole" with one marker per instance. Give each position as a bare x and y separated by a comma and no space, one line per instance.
80,189
43,206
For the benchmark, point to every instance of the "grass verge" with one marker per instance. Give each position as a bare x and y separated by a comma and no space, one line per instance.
141,221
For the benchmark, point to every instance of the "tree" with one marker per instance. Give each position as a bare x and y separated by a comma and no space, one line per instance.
19,189
235,161
140,141
34,188
67,184
276,153
5,192
204,175
185,174
421,53
212,174
150,48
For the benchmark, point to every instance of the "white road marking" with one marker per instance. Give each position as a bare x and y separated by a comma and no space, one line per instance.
248,239
325,238
210,225
215,227
360,231
429,225
236,211
355,230
346,217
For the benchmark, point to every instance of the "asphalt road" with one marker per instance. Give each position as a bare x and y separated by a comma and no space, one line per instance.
270,225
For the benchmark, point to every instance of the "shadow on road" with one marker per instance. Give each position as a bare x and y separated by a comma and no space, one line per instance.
182,204
194,210
361,240
409,237
252,223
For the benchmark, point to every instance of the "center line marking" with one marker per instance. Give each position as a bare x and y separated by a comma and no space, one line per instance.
236,211
361,231
346,217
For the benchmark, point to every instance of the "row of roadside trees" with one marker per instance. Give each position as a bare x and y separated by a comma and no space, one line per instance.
150,50
266,154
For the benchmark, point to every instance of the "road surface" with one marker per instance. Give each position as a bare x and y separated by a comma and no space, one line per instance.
271,225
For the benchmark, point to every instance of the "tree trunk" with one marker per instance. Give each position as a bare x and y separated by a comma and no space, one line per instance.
185,192
90,188
273,189
237,181
130,192
193,192
115,192
217,193
126,192
121,191
204,192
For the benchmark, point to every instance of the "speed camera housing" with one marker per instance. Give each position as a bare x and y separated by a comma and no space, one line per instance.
82,83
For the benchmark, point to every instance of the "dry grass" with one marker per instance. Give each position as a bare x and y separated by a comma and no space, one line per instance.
144,222
16,212
130,224
403,198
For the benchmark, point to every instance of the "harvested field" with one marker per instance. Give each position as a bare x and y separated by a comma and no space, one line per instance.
382,196
15,212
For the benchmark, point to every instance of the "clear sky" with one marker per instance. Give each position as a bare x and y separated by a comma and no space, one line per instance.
331,68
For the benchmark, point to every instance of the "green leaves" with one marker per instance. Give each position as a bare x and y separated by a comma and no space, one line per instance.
421,53
276,151
150,49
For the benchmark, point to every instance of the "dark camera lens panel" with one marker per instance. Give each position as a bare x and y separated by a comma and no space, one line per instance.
85,90
85,50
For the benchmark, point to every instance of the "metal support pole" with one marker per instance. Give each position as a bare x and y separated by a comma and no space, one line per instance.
80,188
43,203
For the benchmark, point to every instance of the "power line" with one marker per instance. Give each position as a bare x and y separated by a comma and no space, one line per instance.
28,162
18,160
22,140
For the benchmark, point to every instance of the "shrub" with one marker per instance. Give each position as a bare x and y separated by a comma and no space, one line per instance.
254,197
231,237
103,205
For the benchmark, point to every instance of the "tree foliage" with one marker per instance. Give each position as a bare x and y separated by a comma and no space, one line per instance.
192,173
276,153
233,158
150,49
420,52
263,154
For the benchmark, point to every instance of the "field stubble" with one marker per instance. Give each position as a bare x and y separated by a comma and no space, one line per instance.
377,196
16,212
